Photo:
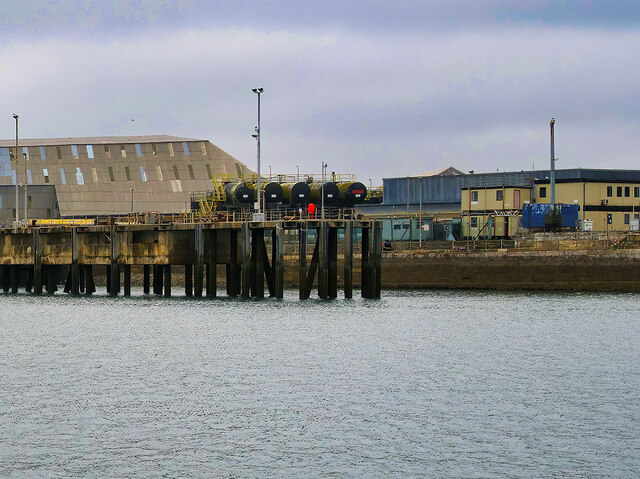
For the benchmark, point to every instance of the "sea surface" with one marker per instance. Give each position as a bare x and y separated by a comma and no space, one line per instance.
417,384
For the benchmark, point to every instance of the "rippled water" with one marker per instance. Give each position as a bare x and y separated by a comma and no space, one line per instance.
418,384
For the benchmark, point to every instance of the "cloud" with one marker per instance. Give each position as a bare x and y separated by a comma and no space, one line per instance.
377,103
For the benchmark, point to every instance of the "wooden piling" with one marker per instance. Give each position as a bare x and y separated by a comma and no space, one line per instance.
37,263
332,267
246,261
115,271
127,279
302,261
158,269
348,260
146,280
277,261
188,280
212,261
167,280
323,261
75,279
198,265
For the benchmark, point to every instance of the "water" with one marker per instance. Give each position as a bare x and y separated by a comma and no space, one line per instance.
418,384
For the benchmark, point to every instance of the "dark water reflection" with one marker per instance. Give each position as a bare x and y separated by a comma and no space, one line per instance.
419,384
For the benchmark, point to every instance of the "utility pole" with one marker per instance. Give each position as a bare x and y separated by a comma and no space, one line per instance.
256,135
15,117
552,172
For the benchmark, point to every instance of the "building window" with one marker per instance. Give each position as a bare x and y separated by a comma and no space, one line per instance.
90,151
626,219
627,192
636,191
127,173
25,152
79,177
43,155
397,227
63,177
29,179
45,173
171,149
159,172
609,218
203,146
111,178
138,150
185,147
59,152
474,222
107,153
123,151
143,174
154,149
175,172
190,168
209,171
499,195
474,196
619,191
543,192
74,151
609,191
95,175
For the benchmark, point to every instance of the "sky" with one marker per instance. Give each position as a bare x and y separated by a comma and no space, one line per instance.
377,88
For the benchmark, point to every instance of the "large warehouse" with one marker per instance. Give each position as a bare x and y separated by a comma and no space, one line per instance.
92,176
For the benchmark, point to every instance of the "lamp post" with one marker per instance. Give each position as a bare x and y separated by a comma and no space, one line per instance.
24,156
15,117
256,135
297,173
324,168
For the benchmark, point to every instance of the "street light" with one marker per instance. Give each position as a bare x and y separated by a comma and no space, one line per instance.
324,169
15,117
256,135
297,173
24,156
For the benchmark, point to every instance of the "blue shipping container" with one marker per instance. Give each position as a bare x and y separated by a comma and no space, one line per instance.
533,215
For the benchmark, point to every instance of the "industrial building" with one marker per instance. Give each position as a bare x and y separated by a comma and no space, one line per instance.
78,177
490,204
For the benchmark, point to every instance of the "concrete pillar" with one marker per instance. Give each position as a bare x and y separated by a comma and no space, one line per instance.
348,260
198,265
188,280
323,260
146,280
127,279
37,262
302,260
277,260
246,260
167,280
212,262
332,257
75,280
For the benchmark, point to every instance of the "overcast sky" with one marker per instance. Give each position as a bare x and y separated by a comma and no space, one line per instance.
379,88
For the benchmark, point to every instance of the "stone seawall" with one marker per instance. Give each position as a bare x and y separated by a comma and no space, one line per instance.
604,270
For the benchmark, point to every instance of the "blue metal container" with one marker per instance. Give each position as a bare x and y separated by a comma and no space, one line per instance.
534,215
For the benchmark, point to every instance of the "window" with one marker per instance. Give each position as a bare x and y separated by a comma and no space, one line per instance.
111,178
123,151
63,178
191,172
79,177
74,151
138,150
159,172
627,192
619,191
609,218
626,219
29,179
474,222
25,152
171,149
543,192
45,173
636,191
127,173
43,156
405,226
185,147
95,175
209,175
397,227
499,195
107,153
474,196
203,146
175,172
59,152
143,174
609,191
154,150
90,151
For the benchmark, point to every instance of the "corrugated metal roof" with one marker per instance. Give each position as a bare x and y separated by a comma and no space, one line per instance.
95,140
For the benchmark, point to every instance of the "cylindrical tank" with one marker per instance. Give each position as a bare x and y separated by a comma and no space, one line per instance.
352,193
239,193
331,193
271,192
296,193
